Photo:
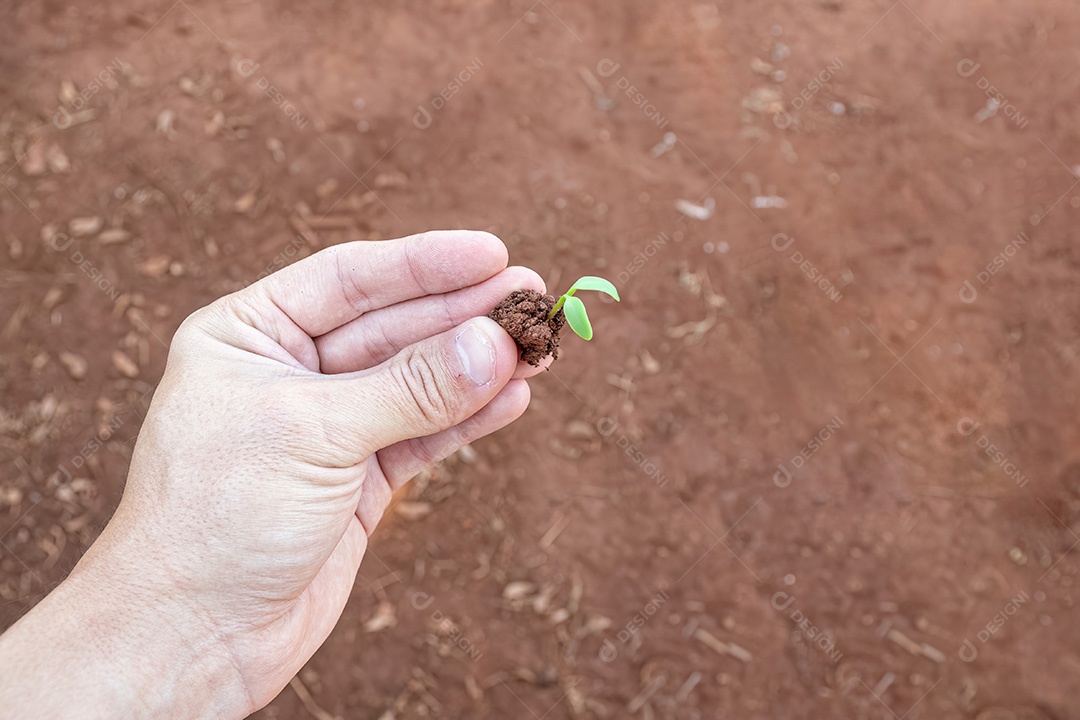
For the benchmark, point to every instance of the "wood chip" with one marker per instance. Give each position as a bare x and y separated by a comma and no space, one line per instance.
721,647
932,653
739,653
125,365
112,236
307,701
411,510
646,693
52,298
688,687
75,365
84,226
558,524
904,641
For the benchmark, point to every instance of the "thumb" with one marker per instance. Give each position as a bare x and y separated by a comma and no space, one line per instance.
429,386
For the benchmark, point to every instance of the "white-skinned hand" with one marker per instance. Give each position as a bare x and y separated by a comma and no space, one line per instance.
288,414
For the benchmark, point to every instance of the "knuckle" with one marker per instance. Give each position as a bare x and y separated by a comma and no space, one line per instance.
355,296
419,382
191,332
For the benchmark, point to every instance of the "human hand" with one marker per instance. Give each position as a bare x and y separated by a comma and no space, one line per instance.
288,414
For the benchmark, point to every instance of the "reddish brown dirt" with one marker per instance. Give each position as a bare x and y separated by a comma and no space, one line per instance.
523,314
804,400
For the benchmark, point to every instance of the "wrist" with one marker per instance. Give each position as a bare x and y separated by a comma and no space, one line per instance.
104,644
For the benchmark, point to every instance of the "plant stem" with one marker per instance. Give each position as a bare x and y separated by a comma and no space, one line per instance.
559,303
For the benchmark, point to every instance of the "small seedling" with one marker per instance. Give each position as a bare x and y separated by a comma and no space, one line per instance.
574,309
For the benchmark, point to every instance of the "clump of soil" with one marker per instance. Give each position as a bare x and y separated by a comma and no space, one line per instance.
524,315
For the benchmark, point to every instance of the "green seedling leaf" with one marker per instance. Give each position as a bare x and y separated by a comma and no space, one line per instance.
577,318
591,282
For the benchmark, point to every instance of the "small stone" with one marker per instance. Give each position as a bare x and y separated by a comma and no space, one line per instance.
468,454
165,121
83,226
155,266
761,67
33,161
382,619
57,160
277,150
764,100
75,365
245,202
517,590
125,365
580,430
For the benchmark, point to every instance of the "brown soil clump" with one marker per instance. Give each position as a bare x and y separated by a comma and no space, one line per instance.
523,314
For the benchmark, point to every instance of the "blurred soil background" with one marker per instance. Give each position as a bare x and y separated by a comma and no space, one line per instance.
821,462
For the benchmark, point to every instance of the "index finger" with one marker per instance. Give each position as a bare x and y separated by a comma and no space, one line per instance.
339,284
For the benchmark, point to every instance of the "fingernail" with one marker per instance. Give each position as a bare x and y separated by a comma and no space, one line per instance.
477,353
